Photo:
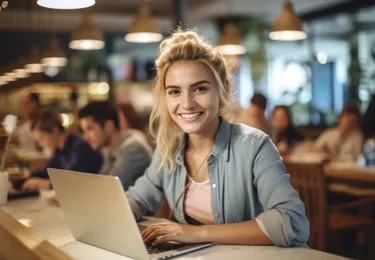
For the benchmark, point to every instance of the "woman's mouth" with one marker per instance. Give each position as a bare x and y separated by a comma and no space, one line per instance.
189,117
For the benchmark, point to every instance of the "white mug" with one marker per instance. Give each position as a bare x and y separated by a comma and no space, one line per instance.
3,188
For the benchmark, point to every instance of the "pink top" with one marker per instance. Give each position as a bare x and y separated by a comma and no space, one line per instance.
197,202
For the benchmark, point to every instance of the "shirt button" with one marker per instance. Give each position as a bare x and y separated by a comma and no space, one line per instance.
217,214
214,186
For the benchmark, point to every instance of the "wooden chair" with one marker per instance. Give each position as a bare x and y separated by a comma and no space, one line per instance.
309,180
20,242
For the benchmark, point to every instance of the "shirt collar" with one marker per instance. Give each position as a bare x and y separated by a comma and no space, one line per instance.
221,146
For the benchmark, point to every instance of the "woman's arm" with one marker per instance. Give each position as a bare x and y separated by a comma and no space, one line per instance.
243,233
147,194
284,215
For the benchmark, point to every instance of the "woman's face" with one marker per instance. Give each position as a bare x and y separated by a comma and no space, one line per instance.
280,119
192,95
48,141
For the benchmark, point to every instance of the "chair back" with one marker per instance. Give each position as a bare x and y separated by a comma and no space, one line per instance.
309,180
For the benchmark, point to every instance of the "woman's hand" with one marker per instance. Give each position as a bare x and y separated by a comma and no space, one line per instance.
11,190
36,184
171,232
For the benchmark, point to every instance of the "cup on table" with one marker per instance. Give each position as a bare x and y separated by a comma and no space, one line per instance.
3,188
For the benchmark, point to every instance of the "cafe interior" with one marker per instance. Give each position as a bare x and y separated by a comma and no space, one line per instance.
302,72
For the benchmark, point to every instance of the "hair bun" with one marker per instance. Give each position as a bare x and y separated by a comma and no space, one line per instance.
180,37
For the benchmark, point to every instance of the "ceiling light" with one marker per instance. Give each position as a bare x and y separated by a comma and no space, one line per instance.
230,41
66,4
288,27
87,36
53,56
143,28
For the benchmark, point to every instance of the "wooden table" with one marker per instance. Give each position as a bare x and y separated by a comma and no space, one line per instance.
49,221
351,173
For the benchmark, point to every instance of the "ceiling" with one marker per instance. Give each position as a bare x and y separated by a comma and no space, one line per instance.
114,15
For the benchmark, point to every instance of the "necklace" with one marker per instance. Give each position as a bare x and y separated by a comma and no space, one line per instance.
187,185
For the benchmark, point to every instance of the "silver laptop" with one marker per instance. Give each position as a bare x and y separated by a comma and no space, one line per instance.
98,213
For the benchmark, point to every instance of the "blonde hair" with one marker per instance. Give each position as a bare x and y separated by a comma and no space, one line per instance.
184,46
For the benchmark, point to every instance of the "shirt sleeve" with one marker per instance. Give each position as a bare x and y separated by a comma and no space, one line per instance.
262,227
147,193
130,164
51,163
84,159
284,215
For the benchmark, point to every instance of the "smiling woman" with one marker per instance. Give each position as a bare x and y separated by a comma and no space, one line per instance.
225,183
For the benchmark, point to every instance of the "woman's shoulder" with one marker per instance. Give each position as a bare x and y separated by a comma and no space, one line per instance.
245,132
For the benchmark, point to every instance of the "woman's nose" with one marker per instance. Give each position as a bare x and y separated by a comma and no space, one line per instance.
188,101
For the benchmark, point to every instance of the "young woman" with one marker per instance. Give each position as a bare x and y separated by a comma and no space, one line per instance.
69,151
228,177
284,135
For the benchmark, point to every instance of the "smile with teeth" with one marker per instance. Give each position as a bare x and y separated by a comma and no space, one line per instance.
191,115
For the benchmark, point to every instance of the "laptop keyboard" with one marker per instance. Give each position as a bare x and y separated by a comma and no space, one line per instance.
163,247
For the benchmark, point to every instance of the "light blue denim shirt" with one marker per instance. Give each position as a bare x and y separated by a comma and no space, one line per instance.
248,180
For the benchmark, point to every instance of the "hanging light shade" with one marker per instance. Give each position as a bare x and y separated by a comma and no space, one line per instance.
33,64
229,42
66,4
53,56
87,36
288,27
143,28
20,71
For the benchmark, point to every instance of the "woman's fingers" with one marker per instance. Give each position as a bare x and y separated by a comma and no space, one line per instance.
165,238
156,233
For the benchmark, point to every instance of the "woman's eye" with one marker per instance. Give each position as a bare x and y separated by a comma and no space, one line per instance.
173,92
201,89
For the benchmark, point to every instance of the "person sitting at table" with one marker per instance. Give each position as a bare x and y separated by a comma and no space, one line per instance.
225,183
284,135
69,151
345,141
22,136
254,116
126,151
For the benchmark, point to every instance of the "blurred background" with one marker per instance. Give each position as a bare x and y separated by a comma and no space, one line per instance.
315,76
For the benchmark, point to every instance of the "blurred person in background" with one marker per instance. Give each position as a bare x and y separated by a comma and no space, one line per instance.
129,118
22,136
284,135
369,119
254,116
74,109
126,151
68,151
345,141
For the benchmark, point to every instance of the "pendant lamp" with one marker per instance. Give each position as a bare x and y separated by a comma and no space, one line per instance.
87,36
229,42
288,27
66,4
143,29
53,56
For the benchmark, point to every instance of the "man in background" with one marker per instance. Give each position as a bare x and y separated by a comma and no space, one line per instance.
126,152
254,116
22,135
